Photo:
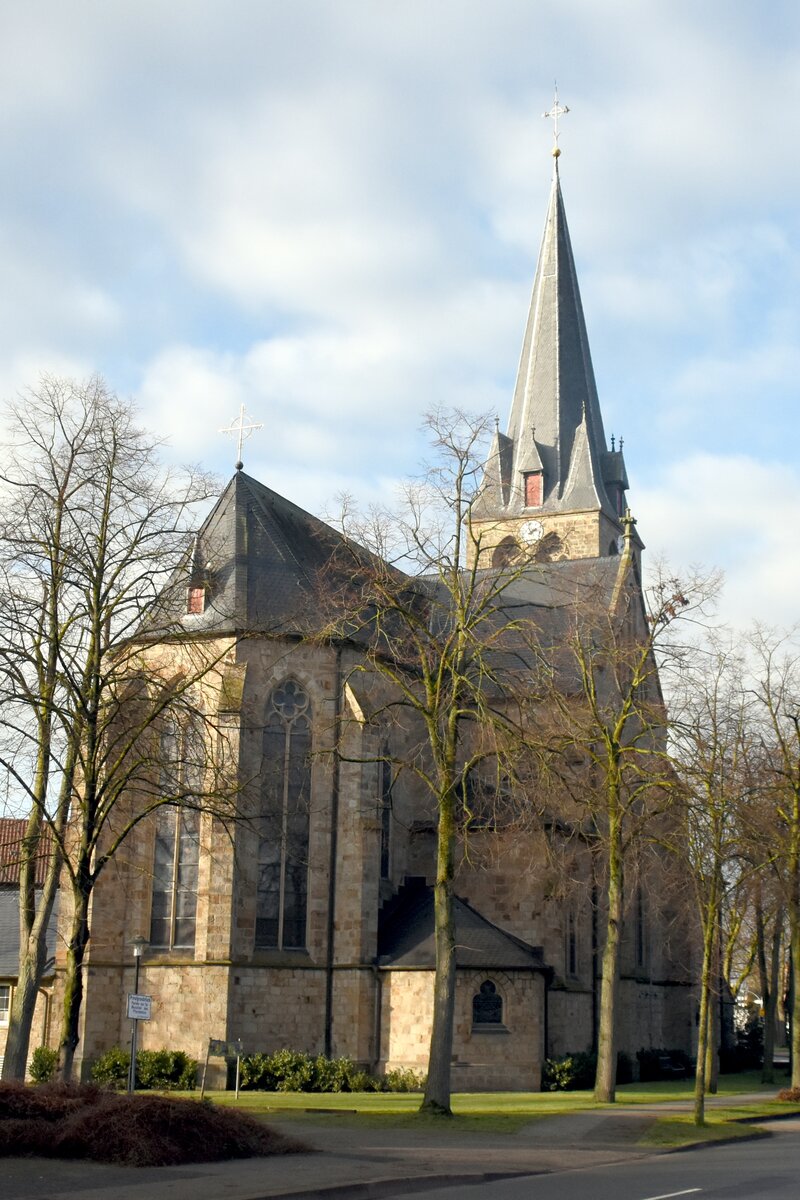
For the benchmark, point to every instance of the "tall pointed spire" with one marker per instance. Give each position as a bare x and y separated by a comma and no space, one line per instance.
553,462
555,412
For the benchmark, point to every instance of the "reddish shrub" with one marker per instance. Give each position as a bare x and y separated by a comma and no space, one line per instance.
87,1122
791,1094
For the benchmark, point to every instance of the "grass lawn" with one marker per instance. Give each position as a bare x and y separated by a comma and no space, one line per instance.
497,1112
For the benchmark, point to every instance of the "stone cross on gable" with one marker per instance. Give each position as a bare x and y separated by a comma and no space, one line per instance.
241,429
558,110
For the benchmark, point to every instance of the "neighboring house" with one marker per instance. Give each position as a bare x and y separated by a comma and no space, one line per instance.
311,928
11,833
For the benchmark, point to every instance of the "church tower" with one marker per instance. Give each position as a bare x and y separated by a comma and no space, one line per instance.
552,489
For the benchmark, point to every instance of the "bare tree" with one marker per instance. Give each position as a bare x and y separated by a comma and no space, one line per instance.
775,670
91,531
442,636
606,743
712,744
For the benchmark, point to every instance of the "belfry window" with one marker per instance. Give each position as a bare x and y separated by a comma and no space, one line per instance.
173,913
534,489
282,888
487,1005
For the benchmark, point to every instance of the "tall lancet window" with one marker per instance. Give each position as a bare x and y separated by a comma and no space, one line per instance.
385,810
282,890
173,912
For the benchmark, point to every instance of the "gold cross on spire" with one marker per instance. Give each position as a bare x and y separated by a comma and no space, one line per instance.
241,430
555,112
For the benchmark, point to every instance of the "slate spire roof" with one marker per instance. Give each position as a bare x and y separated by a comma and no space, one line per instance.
555,425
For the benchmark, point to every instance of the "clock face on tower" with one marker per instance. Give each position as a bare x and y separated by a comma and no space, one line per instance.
531,531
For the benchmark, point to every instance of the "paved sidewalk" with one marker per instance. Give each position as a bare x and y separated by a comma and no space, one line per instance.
355,1162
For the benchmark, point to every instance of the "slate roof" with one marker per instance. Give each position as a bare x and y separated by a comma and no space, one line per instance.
11,832
406,937
555,423
262,561
9,934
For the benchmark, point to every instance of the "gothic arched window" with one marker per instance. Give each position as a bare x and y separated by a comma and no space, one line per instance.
487,1005
282,889
173,910
385,803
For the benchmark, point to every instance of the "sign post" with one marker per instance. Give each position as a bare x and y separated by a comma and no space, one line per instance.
139,1008
221,1049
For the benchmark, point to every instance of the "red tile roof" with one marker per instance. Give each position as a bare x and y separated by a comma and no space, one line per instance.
12,831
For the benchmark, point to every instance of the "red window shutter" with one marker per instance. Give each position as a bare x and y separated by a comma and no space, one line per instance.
196,600
533,489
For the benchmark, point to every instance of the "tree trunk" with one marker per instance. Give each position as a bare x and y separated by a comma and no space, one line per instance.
771,1002
23,1007
437,1089
704,1020
794,948
605,1083
73,984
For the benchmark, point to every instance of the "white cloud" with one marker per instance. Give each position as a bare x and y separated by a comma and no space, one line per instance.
734,512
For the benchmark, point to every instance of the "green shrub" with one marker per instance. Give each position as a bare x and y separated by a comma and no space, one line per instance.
571,1073
294,1071
165,1071
43,1064
291,1071
156,1070
111,1069
255,1073
402,1079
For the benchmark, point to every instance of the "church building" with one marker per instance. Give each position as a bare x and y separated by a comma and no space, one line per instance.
311,925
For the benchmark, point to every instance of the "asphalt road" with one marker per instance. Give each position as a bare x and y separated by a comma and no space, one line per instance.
767,1169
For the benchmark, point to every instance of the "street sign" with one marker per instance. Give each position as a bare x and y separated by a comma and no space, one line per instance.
219,1049
139,1007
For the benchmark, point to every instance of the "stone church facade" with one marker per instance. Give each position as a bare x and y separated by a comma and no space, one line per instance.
310,925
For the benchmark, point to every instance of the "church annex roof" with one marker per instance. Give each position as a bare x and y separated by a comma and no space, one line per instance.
260,562
406,937
555,426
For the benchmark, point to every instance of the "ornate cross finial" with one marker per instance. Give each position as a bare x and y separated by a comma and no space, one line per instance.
241,430
555,112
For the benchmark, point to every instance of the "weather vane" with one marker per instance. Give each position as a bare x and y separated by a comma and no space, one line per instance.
241,430
555,112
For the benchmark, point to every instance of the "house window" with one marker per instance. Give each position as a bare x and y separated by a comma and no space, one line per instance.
5,1002
571,943
487,1005
385,802
173,912
282,889
534,489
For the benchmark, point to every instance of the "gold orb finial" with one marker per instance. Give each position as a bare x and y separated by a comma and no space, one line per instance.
556,152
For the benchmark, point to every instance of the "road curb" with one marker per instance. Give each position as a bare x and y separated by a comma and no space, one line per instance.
375,1189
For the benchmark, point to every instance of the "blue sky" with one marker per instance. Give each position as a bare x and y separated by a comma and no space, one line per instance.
330,211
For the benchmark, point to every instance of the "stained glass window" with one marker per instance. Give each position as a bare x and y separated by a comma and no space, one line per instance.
282,888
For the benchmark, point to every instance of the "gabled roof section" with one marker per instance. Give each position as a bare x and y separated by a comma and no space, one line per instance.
555,423
406,939
260,561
